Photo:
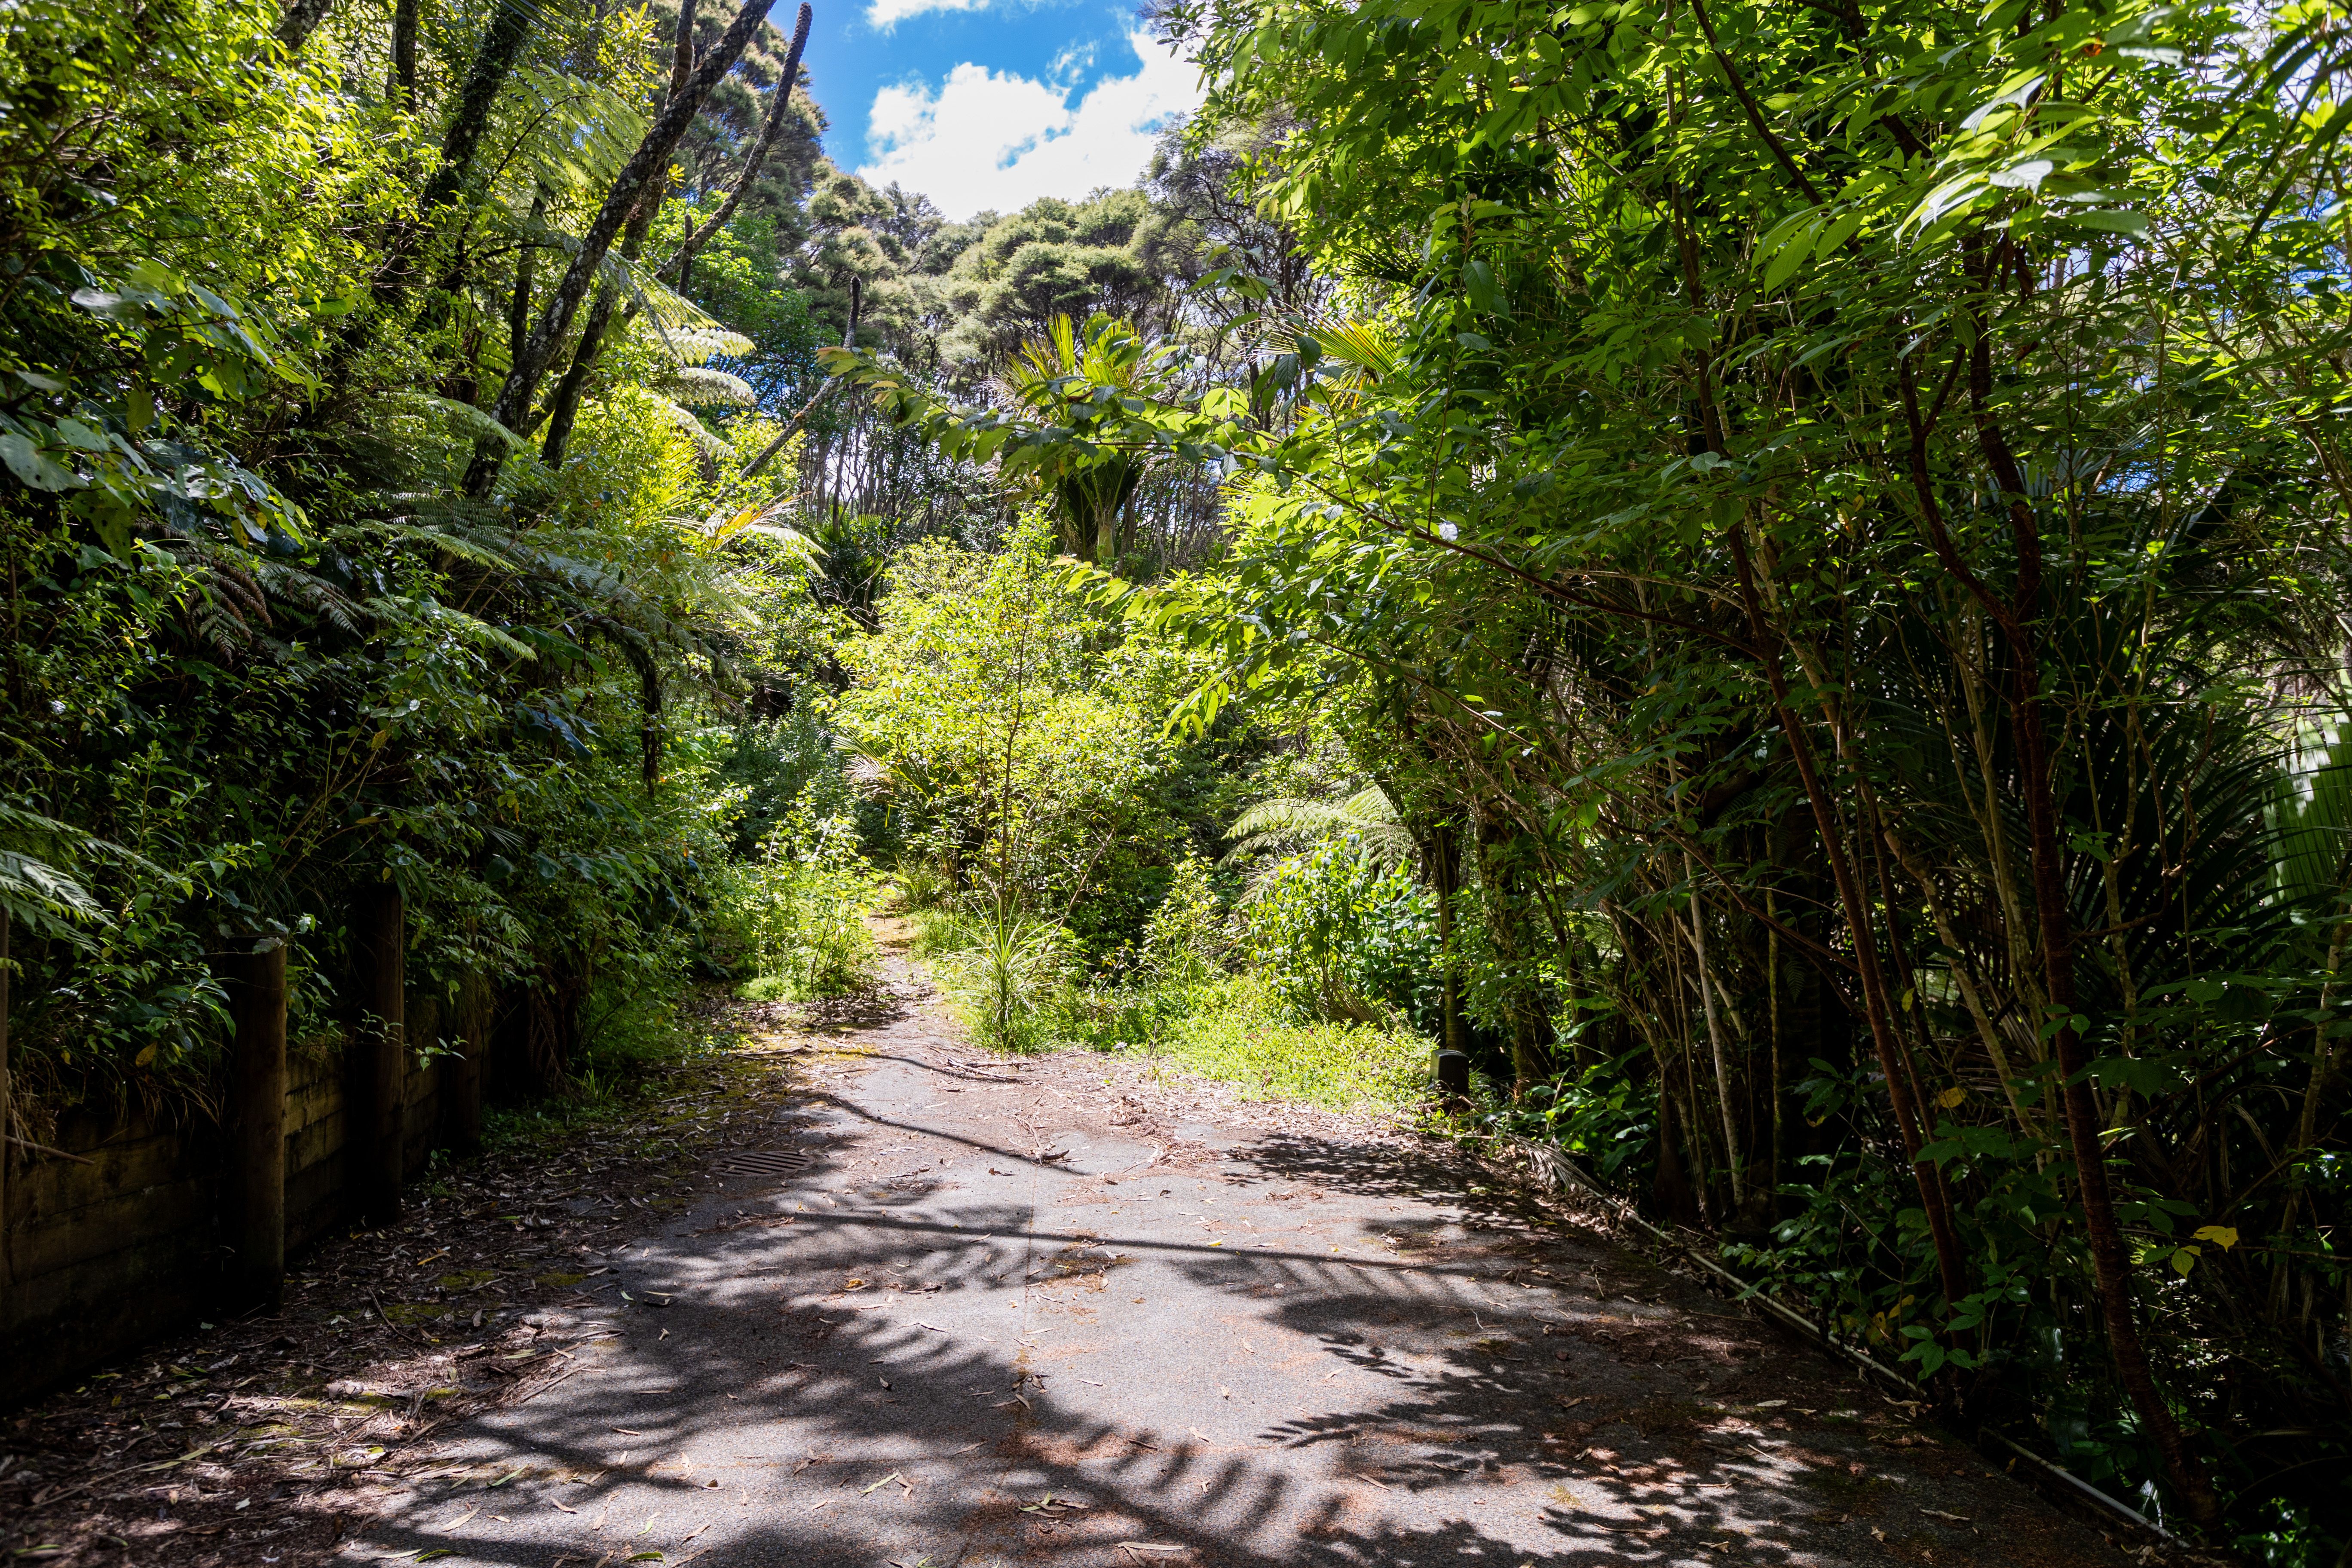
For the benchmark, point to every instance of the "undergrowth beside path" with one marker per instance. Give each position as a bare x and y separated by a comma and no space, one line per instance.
1228,1027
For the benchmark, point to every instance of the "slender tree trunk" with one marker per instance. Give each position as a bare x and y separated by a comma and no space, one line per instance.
1445,876
563,406
7,1113
2110,1257
2053,919
376,1137
563,409
298,21
1670,1188
1950,1265
257,1120
648,164
526,264
680,265
1731,1156
1876,1006
404,55
494,61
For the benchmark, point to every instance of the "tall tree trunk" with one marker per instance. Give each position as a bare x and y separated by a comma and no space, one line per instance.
526,264
494,61
1731,1155
375,1139
257,1122
648,164
2110,1259
680,265
563,406
298,21
404,55
1446,876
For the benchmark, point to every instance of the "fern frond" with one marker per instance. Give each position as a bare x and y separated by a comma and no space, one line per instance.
694,345
702,387
1292,821
462,417
709,445
577,136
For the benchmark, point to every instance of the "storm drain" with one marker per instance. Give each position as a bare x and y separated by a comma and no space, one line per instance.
766,1163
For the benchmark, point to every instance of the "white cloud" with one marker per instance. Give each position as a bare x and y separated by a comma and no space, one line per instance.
885,14
982,139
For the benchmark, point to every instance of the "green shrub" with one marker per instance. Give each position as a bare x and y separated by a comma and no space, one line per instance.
1337,937
805,900
1188,936
1006,975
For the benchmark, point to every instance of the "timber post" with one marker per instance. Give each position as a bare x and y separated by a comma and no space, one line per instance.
257,1123
461,1080
7,1275
377,1140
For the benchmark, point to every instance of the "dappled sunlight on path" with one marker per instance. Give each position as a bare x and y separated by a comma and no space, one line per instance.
1042,1312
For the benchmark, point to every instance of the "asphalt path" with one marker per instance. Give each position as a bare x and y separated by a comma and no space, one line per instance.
980,1312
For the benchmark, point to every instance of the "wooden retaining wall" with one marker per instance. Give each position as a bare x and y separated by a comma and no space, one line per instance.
126,1241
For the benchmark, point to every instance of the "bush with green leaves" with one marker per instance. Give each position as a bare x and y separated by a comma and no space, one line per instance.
805,902
1339,938
1189,936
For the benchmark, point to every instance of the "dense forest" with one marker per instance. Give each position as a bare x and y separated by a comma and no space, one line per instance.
1774,575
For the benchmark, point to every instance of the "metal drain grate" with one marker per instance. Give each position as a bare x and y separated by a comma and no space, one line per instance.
766,1163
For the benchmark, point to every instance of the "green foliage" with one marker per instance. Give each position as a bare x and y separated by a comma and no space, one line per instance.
1188,936
1008,975
1338,938
1238,1032
1011,729
263,650
806,899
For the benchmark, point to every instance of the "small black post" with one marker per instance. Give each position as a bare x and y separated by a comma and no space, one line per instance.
1453,1080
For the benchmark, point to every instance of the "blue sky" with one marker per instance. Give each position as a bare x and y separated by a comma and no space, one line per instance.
992,103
